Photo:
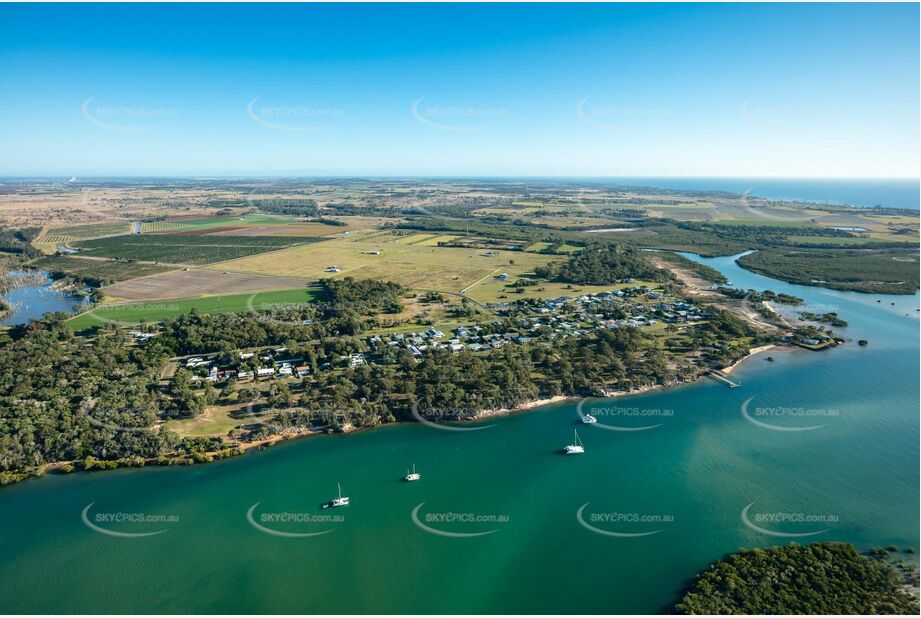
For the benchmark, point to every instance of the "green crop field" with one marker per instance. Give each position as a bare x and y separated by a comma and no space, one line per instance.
172,249
90,231
153,311
103,271
204,223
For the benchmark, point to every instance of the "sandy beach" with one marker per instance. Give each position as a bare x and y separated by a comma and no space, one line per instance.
752,352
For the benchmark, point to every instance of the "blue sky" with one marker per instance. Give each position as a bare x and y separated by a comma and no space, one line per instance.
424,89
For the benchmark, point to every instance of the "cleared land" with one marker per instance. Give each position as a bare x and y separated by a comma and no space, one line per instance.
175,249
195,282
151,311
402,258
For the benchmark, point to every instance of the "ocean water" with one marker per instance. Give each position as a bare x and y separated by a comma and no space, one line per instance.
891,193
620,529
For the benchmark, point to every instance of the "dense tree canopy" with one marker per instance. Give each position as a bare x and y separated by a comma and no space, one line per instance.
601,265
821,578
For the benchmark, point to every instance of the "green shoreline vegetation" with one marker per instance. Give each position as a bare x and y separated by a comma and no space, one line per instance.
820,578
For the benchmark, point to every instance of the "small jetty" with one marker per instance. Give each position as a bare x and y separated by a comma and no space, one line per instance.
718,375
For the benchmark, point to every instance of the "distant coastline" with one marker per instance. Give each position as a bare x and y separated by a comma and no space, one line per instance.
864,193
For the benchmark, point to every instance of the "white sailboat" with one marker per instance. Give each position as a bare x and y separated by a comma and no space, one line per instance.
412,476
339,501
576,447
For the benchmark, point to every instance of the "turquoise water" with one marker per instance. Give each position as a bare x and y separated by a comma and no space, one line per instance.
892,193
688,480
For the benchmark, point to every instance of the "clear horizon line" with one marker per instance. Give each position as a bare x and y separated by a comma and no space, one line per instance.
441,176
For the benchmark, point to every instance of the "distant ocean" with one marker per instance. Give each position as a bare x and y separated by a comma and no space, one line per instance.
864,192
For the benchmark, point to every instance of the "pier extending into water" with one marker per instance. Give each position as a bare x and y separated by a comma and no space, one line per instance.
718,375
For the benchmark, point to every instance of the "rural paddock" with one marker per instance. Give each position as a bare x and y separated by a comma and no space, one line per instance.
194,282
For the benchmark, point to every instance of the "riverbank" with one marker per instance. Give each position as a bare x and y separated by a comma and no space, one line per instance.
235,447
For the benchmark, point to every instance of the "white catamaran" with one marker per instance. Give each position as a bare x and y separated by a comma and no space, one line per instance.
340,501
412,476
576,447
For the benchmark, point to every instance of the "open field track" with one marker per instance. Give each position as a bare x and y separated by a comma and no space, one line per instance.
411,263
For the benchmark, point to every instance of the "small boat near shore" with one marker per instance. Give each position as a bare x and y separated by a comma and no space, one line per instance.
412,476
338,501
576,447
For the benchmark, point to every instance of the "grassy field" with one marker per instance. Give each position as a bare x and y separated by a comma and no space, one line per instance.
101,270
152,311
832,240
217,420
404,259
172,249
